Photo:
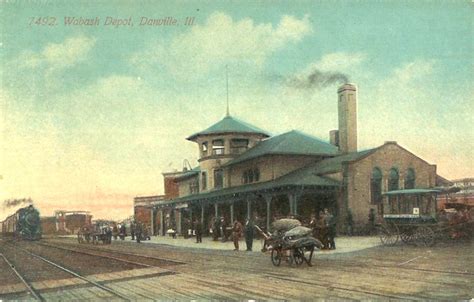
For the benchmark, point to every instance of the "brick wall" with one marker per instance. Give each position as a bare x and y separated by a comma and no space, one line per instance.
48,225
143,215
171,188
388,156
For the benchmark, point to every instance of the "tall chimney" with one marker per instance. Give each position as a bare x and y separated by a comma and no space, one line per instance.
347,111
334,137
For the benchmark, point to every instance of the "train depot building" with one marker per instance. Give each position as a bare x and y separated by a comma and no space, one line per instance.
244,172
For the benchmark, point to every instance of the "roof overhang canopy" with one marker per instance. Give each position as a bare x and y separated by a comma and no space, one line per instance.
412,192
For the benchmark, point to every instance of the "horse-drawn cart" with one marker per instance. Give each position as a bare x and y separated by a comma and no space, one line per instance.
290,242
411,216
87,235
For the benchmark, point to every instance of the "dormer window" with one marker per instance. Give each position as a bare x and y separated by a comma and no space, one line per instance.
204,148
218,147
238,145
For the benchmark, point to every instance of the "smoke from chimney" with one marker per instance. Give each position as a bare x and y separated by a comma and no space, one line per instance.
316,79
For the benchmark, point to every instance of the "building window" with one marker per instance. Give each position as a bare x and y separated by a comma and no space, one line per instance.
376,186
204,148
238,145
256,174
245,177
194,187
393,179
204,180
218,147
218,178
251,175
410,179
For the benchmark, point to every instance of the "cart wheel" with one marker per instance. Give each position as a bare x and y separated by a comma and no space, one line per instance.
276,257
388,234
407,236
298,255
424,236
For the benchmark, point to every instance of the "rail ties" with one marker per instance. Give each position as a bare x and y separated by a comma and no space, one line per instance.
30,288
96,284
86,251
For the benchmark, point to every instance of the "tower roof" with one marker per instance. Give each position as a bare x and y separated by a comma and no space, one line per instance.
229,124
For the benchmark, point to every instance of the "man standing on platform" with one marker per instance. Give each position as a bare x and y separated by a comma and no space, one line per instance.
132,230
236,232
138,231
249,234
223,227
331,229
215,229
198,229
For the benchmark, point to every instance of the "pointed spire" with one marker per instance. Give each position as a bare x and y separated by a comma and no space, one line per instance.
227,88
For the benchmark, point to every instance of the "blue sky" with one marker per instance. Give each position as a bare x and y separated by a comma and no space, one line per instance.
93,115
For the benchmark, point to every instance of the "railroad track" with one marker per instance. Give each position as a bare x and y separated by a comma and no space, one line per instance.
38,296
337,288
109,251
342,287
27,284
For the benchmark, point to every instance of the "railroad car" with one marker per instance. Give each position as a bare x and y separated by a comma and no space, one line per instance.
24,224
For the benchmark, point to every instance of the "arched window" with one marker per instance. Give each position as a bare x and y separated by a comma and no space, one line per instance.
393,179
245,178
251,175
410,179
218,178
256,174
376,186
250,172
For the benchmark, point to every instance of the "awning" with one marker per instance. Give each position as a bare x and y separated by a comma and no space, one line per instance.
412,192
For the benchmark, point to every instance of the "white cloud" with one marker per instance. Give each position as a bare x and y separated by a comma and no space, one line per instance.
221,40
57,56
405,107
413,71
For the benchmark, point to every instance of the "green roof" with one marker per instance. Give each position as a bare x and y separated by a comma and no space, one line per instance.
306,177
289,143
334,164
229,124
412,192
190,173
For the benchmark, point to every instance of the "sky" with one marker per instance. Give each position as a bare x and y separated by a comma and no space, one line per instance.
91,115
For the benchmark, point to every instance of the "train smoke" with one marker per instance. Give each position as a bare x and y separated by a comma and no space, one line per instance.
316,79
9,203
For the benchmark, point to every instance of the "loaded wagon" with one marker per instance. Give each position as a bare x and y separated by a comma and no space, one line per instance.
290,242
412,216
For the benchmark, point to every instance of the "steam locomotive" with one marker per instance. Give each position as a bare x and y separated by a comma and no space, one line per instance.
24,224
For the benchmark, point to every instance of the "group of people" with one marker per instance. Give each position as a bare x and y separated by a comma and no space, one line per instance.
248,230
219,228
139,231
324,228
119,231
